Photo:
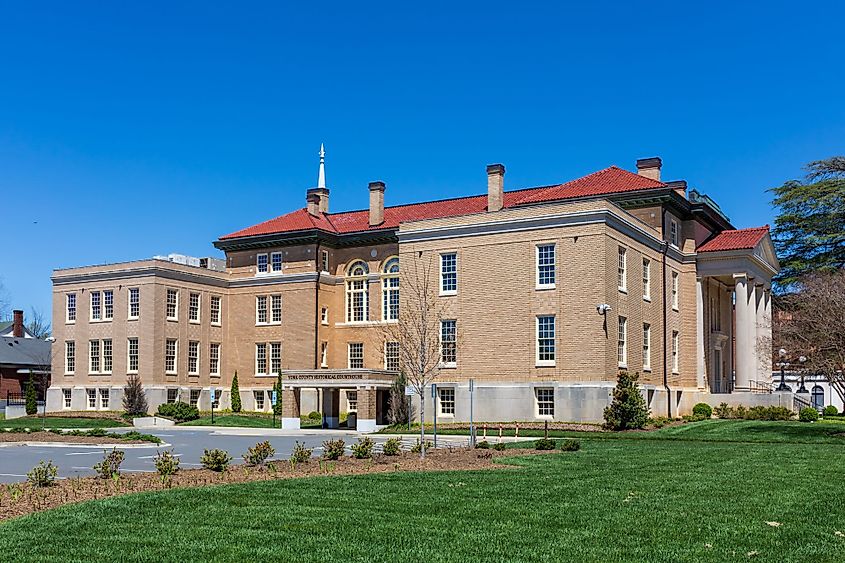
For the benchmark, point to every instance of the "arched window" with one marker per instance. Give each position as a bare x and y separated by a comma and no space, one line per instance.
817,397
390,290
357,302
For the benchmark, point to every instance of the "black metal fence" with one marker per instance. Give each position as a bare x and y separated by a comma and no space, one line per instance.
19,399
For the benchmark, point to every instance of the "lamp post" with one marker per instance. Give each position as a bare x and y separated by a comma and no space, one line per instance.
801,361
783,365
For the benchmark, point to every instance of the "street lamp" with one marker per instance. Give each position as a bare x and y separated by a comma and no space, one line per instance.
801,361
783,364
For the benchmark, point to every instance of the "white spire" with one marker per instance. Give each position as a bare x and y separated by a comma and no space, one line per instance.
321,177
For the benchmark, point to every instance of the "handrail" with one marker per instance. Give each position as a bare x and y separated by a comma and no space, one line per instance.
761,386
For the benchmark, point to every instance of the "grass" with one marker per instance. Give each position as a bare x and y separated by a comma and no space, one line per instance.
245,420
34,423
703,491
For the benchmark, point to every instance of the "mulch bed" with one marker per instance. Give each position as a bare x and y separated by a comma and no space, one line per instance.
20,498
64,438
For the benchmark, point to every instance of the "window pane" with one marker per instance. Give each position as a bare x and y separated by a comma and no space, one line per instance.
448,342
448,272
546,339
546,265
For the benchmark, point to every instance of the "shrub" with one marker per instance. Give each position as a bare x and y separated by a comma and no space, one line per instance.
417,448
767,413
831,410
277,387
96,433
134,399
363,449
702,410
236,394
110,466
215,460
300,453
167,464
259,453
178,411
570,445
544,444
499,447
393,446
659,421
43,474
723,411
808,414
135,435
31,396
314,415
333,449
482,445
628,409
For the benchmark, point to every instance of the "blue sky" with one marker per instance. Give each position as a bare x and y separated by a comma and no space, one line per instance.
134,129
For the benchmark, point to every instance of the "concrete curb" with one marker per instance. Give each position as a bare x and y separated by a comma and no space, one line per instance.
76,445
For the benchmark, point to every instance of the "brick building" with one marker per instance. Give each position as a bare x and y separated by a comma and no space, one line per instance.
549,291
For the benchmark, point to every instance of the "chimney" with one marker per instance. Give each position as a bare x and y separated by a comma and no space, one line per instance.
17,324
680,187
649,167
495,186
376,203
313,200
324,198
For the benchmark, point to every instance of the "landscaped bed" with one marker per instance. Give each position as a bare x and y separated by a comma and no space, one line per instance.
70,420
94,436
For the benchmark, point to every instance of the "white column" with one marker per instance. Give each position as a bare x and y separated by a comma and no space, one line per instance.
764,336
746,332
701,360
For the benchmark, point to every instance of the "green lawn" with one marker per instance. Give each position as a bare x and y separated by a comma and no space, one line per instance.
34,423
245,421
684,496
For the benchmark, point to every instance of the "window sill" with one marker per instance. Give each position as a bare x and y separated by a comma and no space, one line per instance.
132,318
171,373
448,293
70,373
622,366
675,309
646,299
193,375
194,322
545,364
132,372
214,375
623,290
442,415
448,366
216,324
70,322
647,369
545,416
173,319
545,287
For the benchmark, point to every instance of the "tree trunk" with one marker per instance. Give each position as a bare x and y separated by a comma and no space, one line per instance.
422,425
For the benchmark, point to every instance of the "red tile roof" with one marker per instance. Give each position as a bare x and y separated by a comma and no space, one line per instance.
739,239
608,181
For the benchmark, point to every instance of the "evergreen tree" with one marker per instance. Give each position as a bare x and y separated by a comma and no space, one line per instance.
809,231
277,387
628,409
134,399
31,396
399,408
236,394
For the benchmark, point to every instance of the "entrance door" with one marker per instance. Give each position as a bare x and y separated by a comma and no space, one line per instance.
718,374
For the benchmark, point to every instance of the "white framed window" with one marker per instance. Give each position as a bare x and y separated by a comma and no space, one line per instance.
262,263
545,340
214,310
622,342
92,398
172,396
449,273
70,308
105,399
390,291
324,315
324,354
262,312
357,296
275,309
193,357
675,291
70,356
96,306
622,270
276,262
134,303
214,358
94,356
546,266
194,397
391,356
172,304
67,396
259,400
646,347
261,358
171,350
448,343
356,355
275,357
324,261
352,401
108,305
545,398
107,356
646,279
446,401
674,233
675,346
194,307
132,355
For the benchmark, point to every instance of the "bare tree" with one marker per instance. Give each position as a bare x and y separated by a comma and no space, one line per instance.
4,302
811,323
38,325
418,330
